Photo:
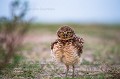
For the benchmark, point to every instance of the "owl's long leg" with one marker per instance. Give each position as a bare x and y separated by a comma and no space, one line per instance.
67,69
73,71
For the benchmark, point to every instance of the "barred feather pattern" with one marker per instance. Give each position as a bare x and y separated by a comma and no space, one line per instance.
67,51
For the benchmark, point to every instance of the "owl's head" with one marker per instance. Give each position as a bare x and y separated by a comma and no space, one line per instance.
65,33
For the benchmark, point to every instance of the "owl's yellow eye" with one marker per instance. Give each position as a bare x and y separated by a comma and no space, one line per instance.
61,33
68,33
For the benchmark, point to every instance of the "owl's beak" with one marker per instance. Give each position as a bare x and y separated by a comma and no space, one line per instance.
65,35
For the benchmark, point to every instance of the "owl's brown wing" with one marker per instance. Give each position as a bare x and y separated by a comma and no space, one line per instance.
52,44
79,44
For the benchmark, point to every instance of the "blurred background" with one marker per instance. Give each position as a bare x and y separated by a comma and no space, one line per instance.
27,28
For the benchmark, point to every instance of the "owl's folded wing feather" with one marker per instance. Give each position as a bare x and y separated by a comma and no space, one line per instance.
79,44
52,44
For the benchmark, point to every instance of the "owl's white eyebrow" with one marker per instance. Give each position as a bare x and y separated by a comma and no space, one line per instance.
65,32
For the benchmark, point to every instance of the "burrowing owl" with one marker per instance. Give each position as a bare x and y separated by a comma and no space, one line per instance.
67,48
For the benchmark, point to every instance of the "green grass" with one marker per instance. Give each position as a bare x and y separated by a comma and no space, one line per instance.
27,70
30,70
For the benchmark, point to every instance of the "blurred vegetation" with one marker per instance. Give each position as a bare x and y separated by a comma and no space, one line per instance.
12,32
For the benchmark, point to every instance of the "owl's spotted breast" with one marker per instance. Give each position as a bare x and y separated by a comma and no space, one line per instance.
66,52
